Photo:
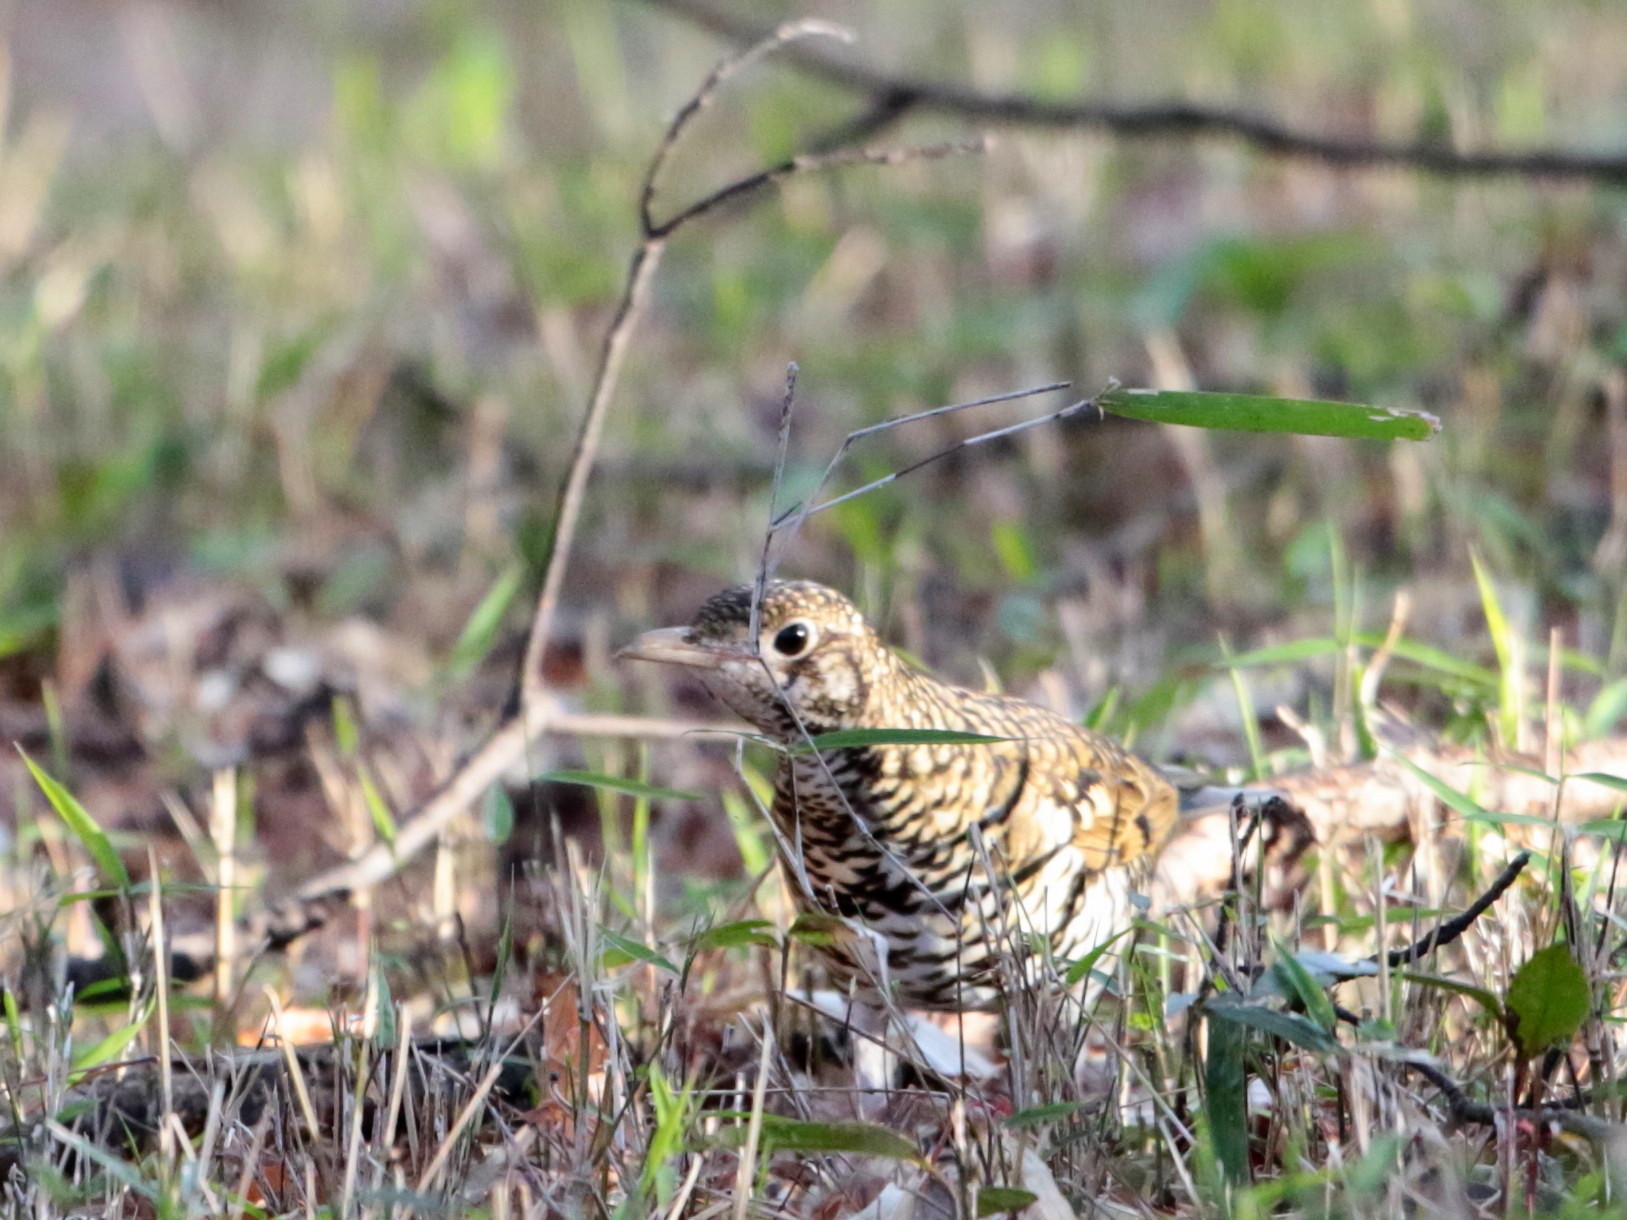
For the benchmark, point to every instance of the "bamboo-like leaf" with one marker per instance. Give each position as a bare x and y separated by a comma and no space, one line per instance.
1458,802
620,950
1081,968
1251,413
1035,1116
110,1047
1617,783
736,935
1479,995
614,783
1505,645
1283,654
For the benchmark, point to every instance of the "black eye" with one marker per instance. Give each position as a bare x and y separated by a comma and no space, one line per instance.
793,639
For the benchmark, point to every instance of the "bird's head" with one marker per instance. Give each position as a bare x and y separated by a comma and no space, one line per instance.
815,662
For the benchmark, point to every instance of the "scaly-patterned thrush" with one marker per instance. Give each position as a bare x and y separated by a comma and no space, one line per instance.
942,853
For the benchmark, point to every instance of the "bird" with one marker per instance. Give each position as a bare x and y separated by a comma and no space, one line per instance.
1010,826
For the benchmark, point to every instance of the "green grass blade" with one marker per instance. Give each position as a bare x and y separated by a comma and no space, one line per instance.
480,631
1506,647
844,739
82,825
1250,413
810,1137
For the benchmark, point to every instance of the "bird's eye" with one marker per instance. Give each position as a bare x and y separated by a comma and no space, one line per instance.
793,639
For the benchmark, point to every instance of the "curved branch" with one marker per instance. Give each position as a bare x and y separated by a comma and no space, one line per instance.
891,97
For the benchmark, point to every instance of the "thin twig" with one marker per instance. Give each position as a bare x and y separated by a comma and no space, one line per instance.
782,450
810,163
703,97
894,96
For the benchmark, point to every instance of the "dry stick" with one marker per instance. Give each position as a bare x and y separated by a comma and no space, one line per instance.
305,912
783,449
1464,1110
894,96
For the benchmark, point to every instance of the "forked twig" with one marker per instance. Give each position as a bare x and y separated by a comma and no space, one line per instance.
312,905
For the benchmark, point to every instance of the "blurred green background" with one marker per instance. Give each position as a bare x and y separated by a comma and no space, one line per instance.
306,298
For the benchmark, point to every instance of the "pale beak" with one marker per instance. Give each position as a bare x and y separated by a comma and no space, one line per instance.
673,646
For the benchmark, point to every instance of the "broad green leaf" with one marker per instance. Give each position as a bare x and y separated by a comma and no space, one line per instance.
1250,413
1548,999
1225,1097
82,825
1609,706
613,783
1614,829
1617,783
843,739
997,1200
1289,1026
620,950
480,631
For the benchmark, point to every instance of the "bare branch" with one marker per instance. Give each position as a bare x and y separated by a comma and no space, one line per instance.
1451,929
894,96
809,163
707,93
1478,1113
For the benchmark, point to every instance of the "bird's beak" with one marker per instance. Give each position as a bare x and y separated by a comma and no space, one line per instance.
673,646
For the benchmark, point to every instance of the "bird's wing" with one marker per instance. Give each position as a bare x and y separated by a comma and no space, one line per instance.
1121,808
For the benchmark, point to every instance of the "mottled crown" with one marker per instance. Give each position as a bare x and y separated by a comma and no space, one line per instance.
727,615
817,665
